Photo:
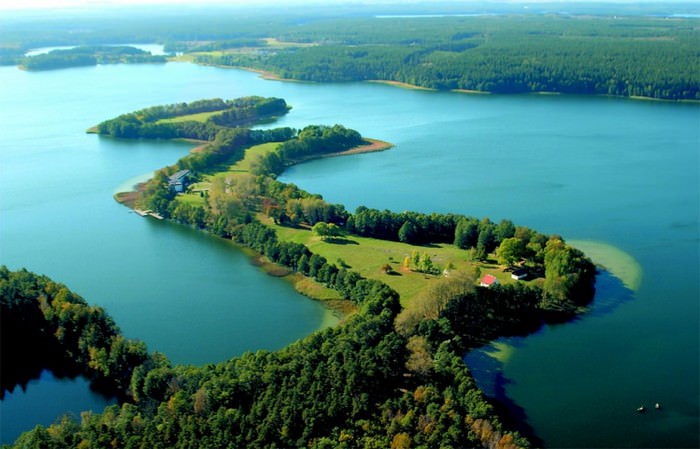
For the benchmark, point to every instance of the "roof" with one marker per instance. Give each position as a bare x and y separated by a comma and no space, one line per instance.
489,279
178,176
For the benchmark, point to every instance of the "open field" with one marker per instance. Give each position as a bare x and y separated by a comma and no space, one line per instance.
199,117
251,154
367,256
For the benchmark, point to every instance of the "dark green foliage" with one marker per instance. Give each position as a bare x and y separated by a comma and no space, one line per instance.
516,54
248,110
486,313
569,276
312,141
59,331
240,111
342,387
88,55
386,225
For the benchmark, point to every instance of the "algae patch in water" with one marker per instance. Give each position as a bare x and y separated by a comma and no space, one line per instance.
619,263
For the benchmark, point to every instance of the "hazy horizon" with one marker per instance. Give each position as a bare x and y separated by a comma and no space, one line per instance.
63,4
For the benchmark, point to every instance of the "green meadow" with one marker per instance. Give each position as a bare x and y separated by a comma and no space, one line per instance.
199,117
193,196
368,256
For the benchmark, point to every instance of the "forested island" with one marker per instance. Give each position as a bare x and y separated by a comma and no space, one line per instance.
87,56
390,375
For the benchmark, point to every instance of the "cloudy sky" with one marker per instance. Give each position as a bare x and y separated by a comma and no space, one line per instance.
50,4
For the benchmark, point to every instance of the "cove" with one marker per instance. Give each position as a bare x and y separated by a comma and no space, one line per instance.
43,401
608,170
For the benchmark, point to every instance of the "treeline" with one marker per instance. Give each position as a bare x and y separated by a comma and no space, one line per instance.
89,55
46,326
625,57
360,385
312,141
151,123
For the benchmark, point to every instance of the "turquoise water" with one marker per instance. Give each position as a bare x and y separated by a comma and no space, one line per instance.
620,172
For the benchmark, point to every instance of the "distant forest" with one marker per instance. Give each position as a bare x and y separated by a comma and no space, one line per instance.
620,55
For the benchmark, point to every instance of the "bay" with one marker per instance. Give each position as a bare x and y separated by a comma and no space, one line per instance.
618,172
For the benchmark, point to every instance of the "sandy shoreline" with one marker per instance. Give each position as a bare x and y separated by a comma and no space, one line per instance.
374,145
402,85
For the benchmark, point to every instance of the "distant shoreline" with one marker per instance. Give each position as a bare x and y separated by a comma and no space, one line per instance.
272,76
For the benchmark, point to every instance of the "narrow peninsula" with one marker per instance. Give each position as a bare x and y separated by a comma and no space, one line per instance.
420,291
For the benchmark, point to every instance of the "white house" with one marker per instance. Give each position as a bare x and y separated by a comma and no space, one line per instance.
520,273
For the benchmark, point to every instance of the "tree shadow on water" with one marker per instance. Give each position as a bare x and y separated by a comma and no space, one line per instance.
487,371
610,293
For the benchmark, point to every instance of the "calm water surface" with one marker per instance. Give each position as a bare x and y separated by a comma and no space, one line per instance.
620,172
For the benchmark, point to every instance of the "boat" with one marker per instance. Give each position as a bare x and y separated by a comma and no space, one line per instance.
641,409
657,406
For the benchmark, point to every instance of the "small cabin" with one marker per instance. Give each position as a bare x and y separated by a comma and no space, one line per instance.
178,181
520,273
488,281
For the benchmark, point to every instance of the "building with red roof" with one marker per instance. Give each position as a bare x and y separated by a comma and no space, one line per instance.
488,280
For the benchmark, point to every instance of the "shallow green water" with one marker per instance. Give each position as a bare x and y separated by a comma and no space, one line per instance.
619,172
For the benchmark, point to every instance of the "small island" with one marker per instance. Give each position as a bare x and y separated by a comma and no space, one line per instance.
89,55
417,292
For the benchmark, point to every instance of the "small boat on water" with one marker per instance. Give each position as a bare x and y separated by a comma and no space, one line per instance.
657,406
641,409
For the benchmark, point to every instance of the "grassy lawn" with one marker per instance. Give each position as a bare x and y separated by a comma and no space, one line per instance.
200,117
242,166
251,154
193,199
367,256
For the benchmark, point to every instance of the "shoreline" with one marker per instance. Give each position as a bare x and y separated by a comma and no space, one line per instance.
337,309
273,77
402,85
374,146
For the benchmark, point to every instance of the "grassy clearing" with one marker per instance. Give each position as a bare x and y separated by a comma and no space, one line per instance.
252,154
242,166
199,117
367,256
193,199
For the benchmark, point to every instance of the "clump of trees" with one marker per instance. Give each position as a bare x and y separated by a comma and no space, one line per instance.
146,123
89,55
312,141
46,326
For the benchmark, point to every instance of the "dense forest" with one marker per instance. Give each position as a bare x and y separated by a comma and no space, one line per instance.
363,384
621,57
61,332
621,53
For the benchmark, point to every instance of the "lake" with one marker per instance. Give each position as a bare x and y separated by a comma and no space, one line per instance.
619,177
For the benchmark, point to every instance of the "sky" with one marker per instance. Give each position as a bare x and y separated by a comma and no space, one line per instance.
53,4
